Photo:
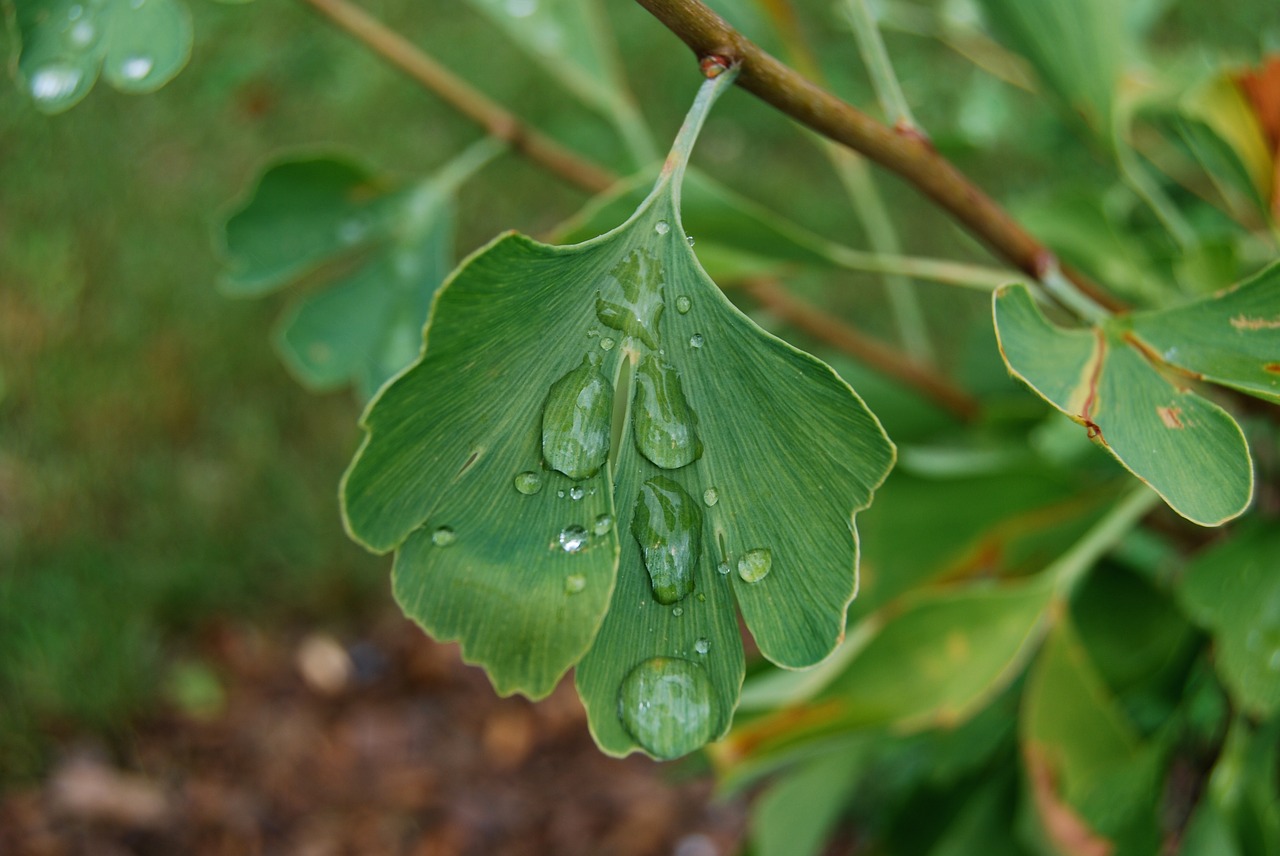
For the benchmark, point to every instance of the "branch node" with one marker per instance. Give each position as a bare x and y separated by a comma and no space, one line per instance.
910,131
715,62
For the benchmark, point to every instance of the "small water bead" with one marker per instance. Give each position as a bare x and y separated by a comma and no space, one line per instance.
82,34
689,239
665,703
683,304
528,483
702,646
606,344
443,537
55,82
724,568
755,564
572,538
574,583
695,341
710,496
560,494
136,67
576,493
602,525
678,611
662,227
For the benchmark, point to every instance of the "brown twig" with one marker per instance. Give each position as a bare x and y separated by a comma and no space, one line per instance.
822,326
909,155
463,97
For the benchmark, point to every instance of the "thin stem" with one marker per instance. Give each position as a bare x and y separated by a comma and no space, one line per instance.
821,325
472,159
888,91
934,270
465,98
908,155
1072,566
678,158
1149,191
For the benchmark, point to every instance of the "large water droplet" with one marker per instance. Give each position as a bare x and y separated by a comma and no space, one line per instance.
528,483
702,646
136,67
665,704
572,538
665,426
683,304
662,227
602,525
668,527
754,565
631,299
710,496
695,341
443,537
55,83
576,422
574,583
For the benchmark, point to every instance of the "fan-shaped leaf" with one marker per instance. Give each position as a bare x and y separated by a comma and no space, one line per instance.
733,467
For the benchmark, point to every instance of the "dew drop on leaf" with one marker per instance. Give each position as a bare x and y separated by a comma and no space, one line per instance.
689,240
55,82
443,537
602,525
136,67
574,583
662,227
606,343
695,341
528,483
665,426
702,646
576,493
724,568
630,300
665,705
710,496
754,565
668,527
576,422
683,304
572,538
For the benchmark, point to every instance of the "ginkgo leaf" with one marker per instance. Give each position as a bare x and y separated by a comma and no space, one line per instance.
596,455
381,251
137,45
1188,449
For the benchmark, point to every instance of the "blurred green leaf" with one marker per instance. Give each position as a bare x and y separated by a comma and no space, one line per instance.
1185,447
1233,591
1222,130
510,498
796,815
138,45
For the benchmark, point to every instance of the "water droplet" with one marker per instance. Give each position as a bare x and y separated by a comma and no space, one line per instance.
136,67
630,300
572,538
678,611
662,227
702,646
688,240
665,426
574,583
521,8
683,304
668,527
577,421
710,496
754,565
560,494
695,341
82,34
443,537
665,704
606,344
576,493
528,483
723,568
55,82
602,525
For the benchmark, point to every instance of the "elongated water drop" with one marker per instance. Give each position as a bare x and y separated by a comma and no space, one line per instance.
576,421
665,426
755,564
631,299
528,483
668,527
665,705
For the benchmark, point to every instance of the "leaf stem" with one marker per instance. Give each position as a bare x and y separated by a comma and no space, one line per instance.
463,97
1071,567
888,91
822,326
909,155
678,159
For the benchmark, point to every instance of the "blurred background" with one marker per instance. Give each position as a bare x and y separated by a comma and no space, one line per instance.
193,656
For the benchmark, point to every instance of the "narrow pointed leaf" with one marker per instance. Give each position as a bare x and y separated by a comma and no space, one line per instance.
1185,447
1231,338
528,576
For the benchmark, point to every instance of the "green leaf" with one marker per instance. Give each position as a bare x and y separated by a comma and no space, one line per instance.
795,816
1186,448
1077,48
1222,130
137,45
379,252
1232,338
1233,591
531,567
